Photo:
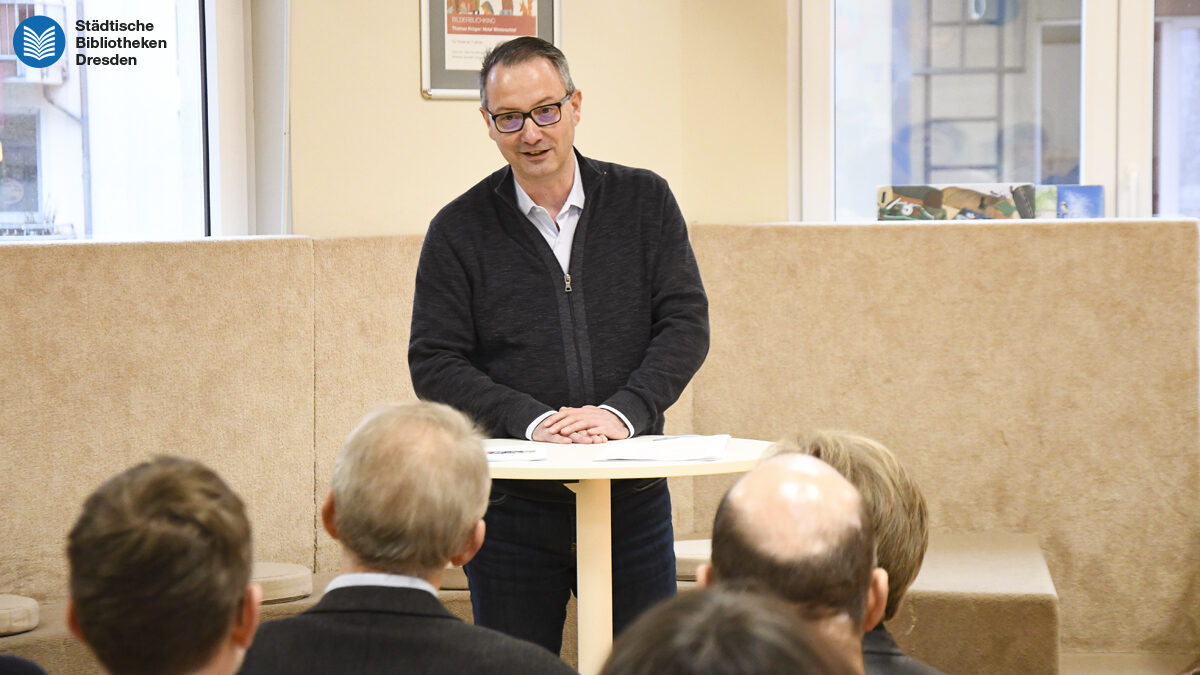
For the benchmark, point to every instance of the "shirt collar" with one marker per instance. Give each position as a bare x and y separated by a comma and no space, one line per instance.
574,198
380,579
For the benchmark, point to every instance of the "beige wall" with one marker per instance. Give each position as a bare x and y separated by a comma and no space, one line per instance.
667,86
735,113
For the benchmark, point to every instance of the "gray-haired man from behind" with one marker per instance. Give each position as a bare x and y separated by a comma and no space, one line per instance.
410,487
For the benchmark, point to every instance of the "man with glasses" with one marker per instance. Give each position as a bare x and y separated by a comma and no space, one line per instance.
558,300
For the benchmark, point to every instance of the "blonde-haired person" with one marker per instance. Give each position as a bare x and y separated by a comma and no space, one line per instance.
900,517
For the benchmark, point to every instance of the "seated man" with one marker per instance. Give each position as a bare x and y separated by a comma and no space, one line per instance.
409,490
720,631
160,572
899,514
795,526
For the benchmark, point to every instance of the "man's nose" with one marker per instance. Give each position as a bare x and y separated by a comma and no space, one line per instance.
531,132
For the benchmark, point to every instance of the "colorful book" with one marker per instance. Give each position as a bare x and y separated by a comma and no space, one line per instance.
1080,201
989,201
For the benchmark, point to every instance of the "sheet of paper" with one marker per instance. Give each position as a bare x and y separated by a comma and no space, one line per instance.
686,448
513,451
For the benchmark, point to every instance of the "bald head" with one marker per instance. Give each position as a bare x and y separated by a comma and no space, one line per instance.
795,526
796,507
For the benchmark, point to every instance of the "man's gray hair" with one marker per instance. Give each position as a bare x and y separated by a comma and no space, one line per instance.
409,485
520,50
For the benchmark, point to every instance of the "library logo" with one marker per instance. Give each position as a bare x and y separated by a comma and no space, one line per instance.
39,41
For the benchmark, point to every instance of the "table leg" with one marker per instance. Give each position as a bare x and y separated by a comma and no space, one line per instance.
593,532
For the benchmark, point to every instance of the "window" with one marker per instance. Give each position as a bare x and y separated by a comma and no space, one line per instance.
1177,109
19,186
107,143
949,91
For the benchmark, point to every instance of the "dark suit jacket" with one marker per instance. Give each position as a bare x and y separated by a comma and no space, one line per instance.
375,629
15,665
882,656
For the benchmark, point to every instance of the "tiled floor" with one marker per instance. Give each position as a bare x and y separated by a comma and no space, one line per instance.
1124,664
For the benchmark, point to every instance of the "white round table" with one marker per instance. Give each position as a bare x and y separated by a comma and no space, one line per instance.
593,522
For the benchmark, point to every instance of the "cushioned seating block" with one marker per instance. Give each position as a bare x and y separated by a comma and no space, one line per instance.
18,614
982,603
282,581
690,554
455,579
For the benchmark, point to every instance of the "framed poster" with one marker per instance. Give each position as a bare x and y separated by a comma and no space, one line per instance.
455,34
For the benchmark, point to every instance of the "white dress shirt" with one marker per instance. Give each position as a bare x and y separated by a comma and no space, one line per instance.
559,233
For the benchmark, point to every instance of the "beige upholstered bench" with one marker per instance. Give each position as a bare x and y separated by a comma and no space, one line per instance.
982,603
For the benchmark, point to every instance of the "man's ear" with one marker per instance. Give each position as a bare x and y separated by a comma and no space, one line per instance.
577,105
327,511
704,575
73,621
877,596
473,544
247,618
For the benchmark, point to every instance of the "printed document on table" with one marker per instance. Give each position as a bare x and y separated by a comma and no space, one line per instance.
501,450
687,448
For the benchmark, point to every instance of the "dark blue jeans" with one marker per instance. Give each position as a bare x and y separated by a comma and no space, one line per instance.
521,579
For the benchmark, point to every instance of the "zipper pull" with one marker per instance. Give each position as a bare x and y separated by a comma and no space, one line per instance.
567,279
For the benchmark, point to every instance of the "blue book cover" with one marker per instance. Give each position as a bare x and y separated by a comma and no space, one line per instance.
1080,201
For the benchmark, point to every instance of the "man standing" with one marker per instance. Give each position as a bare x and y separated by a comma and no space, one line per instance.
558,300
409,489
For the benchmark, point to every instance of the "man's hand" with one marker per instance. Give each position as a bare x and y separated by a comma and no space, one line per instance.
588,424
541,435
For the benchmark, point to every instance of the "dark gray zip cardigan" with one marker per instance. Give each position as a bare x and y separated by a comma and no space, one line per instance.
501,333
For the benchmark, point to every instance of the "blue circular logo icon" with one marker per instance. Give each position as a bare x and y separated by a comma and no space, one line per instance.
39,41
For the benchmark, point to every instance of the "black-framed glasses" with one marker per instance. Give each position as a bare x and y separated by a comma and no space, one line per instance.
543,116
